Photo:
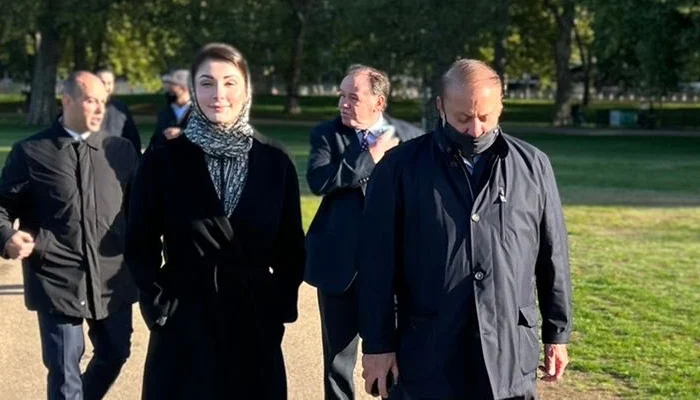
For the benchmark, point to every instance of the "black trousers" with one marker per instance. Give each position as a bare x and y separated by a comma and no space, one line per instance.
63,345
340,337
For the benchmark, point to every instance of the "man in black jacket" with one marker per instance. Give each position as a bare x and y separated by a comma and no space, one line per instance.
66,186
470,230
172,119
344,152
118,120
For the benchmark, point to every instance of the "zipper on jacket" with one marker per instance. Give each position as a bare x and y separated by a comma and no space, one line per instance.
90,306
460,161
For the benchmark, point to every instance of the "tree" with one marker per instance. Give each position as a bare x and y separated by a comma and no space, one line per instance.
42,107
500,36
563,14
532,31
17,29
583,34
644,45
299,15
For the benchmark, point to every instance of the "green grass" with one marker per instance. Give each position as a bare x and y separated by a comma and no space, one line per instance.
532,112
637,299
632,206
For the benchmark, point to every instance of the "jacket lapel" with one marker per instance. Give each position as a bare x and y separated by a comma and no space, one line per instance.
349,133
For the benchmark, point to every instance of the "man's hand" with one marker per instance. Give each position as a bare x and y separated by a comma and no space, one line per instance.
376,367
385,142
19,246
556,358
172,132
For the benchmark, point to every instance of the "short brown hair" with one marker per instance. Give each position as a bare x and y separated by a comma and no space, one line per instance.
221,52
464,72
379,82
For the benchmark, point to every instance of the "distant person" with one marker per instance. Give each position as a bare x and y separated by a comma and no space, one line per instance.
66,185
225,202
172,119
344,152
469,247
118,120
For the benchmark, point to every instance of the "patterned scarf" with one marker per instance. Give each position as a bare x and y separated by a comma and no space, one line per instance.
225,149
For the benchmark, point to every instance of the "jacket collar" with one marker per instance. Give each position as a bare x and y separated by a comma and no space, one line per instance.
62,138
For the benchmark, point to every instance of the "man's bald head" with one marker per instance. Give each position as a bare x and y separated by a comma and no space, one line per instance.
471,97
469,74
84,98
79,81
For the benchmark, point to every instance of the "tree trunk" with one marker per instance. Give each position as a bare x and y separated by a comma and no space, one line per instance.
80,43
433,79
42,108
299,9
98,44
586,61
500,36
562,55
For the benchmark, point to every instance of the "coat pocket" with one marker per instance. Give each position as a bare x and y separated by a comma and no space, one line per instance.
416,355
42,241
529,343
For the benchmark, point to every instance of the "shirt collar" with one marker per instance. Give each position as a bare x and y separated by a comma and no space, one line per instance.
65,137
75,135
377,127
180,108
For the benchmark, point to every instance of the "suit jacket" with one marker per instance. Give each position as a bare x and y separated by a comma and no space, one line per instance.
339,171
167,119
120,122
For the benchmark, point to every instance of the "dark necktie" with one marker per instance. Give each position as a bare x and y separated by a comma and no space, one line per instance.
364,143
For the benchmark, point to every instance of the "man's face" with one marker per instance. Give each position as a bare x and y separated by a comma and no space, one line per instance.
107,79
85,111
473,110
359,107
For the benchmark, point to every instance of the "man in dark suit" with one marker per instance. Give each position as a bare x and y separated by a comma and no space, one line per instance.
118,120
344,152
66,186
172,119
471,241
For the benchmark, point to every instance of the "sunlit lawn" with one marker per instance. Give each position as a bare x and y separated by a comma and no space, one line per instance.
632,207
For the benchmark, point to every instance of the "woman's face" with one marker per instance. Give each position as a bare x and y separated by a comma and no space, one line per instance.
221,91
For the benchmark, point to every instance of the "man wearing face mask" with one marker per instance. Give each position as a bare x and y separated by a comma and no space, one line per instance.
344,151
172,120
471,229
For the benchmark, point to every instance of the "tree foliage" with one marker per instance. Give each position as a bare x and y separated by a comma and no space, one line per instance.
643,45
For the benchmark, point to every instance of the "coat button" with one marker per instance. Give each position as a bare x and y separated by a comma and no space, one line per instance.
476,217
479,275
82,303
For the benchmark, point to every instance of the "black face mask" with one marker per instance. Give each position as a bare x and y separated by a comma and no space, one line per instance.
170,98
469,145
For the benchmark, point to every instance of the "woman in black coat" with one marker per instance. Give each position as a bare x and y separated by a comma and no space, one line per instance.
226,203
